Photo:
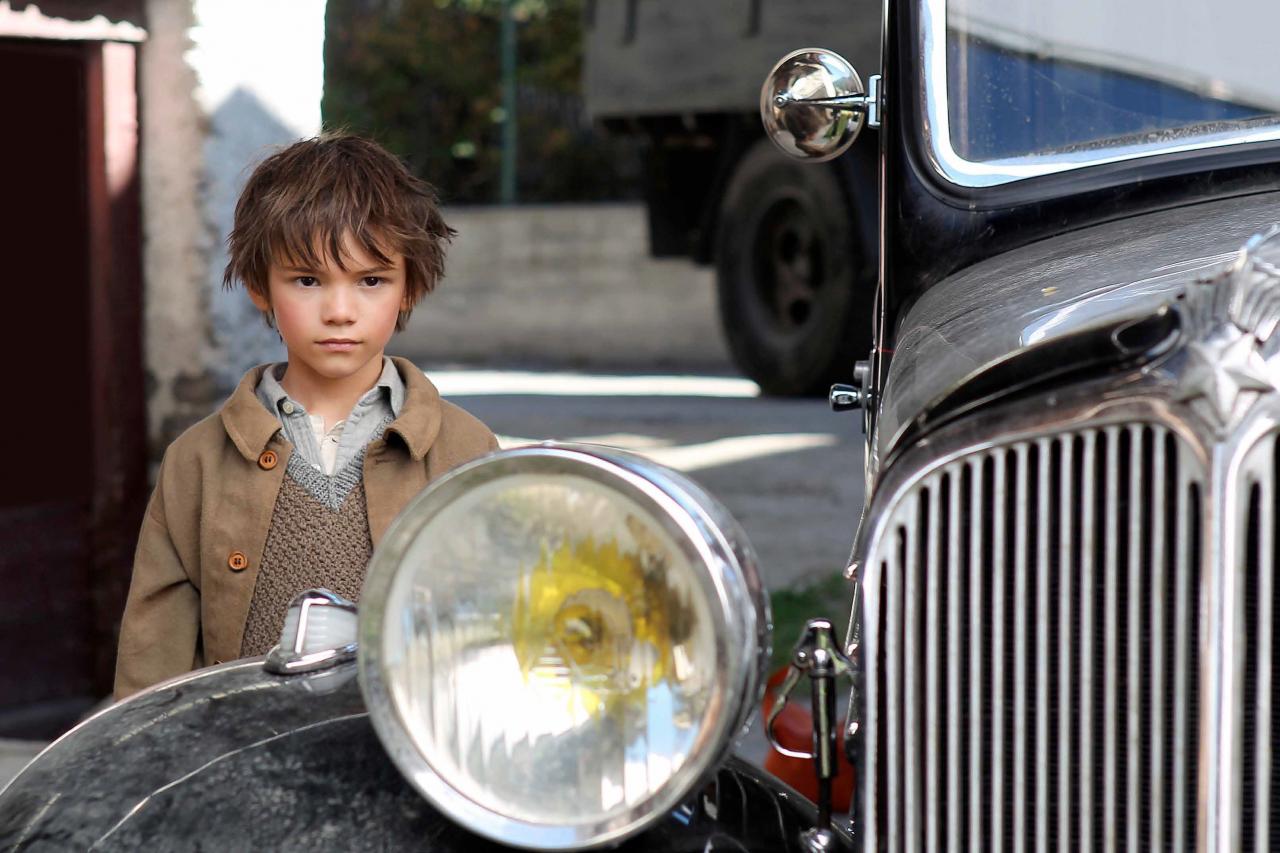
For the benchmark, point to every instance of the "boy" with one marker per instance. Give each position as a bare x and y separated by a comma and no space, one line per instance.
295,479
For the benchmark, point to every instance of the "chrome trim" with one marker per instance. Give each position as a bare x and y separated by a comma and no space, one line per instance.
843,398
977,571
813,105
818,657
999,498
1088,548
1258,473
1158,603
282,661
1109,647
1067,490
867,104
731,583
1183,754
1042,521
954,641
1233,350
936,132
932,661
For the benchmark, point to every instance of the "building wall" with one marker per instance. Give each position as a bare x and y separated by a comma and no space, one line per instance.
223,82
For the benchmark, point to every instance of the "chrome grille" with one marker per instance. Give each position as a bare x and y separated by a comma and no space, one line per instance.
1257,611
1032,614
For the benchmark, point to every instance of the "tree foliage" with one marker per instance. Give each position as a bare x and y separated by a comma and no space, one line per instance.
424,78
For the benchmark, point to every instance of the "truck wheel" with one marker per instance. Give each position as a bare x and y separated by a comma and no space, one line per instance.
788,270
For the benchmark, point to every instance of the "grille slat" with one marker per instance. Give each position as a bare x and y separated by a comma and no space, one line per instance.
1135,595
893,677
1039,600
1043,523
912,634
1182,727
1020,571
955,819
1160,569
1110,572
1266,638
977,606
933,713
1067,513
999,501
1088,554
1258,807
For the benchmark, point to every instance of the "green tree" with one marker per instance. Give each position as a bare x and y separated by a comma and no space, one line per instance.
424,78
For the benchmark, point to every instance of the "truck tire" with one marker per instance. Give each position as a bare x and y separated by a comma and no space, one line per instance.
794,305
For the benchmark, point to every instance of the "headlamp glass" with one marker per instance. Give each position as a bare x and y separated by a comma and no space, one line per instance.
557,644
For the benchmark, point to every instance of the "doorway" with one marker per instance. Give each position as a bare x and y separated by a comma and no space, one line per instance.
71,424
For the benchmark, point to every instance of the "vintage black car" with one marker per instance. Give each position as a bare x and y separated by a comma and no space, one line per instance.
1062,589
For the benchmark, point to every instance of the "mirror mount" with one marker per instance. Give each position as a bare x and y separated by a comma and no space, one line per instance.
814,106
868,104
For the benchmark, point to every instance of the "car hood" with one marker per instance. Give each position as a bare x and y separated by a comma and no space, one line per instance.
998,314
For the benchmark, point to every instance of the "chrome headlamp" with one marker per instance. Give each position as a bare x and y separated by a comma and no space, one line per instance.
557,643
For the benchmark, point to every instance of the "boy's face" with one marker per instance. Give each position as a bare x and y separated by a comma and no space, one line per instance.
335,323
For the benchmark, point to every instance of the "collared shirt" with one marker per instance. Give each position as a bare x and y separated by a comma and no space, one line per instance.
328,450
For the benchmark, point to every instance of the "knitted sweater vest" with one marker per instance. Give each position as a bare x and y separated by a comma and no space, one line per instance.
319,537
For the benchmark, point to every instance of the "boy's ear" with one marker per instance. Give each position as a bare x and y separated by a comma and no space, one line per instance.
259,301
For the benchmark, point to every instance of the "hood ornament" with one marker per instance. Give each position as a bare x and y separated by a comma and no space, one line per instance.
1234,353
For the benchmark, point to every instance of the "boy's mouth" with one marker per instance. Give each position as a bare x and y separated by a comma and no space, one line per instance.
338,344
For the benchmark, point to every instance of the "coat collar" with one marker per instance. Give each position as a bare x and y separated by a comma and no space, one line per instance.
419,421
251,427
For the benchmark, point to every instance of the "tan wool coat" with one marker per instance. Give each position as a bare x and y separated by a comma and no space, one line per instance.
206,526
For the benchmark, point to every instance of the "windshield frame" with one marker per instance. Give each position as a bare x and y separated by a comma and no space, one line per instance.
972,174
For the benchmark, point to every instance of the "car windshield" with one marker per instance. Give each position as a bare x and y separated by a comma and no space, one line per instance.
1074,82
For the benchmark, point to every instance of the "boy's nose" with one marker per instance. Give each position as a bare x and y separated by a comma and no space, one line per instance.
339,307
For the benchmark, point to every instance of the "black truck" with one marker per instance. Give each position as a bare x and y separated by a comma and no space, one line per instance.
795,251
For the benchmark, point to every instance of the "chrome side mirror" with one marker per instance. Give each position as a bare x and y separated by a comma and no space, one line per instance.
814,106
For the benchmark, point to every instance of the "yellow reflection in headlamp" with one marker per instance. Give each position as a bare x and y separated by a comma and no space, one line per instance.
596,620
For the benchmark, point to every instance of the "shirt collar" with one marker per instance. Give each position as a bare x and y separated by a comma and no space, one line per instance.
390,380
272,393
269,389
250,425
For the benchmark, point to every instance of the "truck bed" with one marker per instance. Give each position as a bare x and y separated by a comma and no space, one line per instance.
663,57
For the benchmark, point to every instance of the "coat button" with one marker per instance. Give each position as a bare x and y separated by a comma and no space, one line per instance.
268,460
238,561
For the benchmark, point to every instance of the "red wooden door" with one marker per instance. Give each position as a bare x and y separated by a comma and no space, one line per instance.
71,427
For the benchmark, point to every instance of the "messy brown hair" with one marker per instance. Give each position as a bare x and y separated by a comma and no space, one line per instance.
301,201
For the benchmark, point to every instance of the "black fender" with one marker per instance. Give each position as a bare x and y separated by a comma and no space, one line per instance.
232,757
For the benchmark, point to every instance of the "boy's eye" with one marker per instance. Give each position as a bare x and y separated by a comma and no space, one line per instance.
372,281
306,280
